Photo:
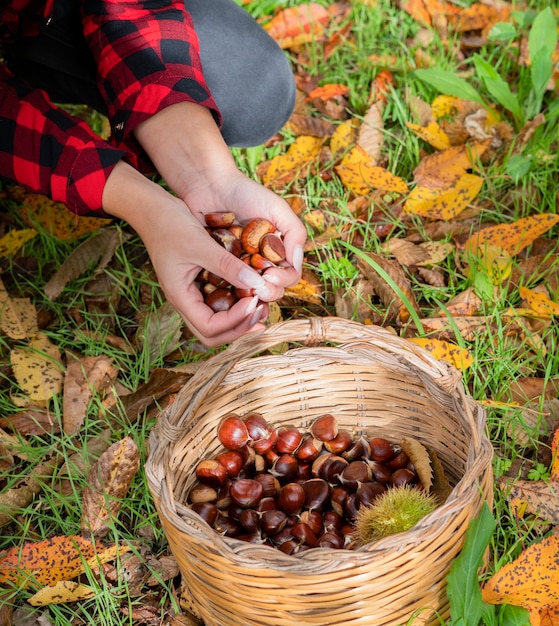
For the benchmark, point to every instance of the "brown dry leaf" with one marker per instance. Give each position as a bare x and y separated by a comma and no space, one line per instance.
161,383
441,486
18,316
475,17
45,562
530,388
381,86
530,581
107,483
54,217
38,368
18,497
442,169
325,238
370,135
284,168
421,460
464,304
444,203
62,592
6,457
396,307
14,240
83,377
307,125
432,133
406,252
434,277
298,25
458,357
467,326
160,332
353,303
512,237
99,248
534,417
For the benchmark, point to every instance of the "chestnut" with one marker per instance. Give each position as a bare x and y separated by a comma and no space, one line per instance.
289,439
220,219
369,492
273,521
285,468
250,521
253,233
246,492
304,534
291,498
232,461
354,473
263,436
202,493
272,248
207,511
402,477
380,449
227,526
330,540
211,472
317,493
341,442
220,299
232,432
309,449
270,484
324,427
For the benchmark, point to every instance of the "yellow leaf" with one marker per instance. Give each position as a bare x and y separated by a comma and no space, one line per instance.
539,302
18,316
554,470
13,240
37,368
286,167
433,134
359,174
513,237
444,105
445,351
443,203
530,581
495,262
63,591
308,289
343,137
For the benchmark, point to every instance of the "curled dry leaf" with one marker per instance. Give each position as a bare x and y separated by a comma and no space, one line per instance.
107,483
421,460
98,248
371,131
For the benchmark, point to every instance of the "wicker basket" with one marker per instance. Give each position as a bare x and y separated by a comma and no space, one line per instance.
375,383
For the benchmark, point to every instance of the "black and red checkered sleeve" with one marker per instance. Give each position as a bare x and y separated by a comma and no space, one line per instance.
148,58
48,151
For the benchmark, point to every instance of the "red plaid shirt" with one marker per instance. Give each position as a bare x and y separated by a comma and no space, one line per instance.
147,57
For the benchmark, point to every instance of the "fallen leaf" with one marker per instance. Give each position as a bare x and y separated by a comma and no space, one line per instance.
539,302
107,483
530,581
160,332
371,131
38,368
18,316
432,133
298,25
308,289
343,138
534,497
99,248
359,174
45,562
381,86
14,240
443,168
458,357
513,237
330,90
444,203
64,591
284,168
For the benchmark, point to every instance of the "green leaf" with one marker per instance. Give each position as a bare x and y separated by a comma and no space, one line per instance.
498,88
543,34
541,71
510,615
464,593
503,32
449,84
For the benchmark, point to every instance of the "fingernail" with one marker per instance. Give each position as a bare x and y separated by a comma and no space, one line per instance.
298,258
263,292
250,278
271,278
251,306
256,315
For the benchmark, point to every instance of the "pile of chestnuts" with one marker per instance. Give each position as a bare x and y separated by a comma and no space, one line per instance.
294,489
257,243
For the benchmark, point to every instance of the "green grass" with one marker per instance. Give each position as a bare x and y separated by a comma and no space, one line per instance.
515,185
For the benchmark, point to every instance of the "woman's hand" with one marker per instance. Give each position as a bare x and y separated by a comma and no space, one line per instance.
173,228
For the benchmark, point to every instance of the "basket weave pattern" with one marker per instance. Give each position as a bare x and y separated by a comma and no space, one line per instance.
376,384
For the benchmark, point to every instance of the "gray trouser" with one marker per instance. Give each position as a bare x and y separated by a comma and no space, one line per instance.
248,74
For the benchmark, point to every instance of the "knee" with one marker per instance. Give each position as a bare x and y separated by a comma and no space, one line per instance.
265,104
